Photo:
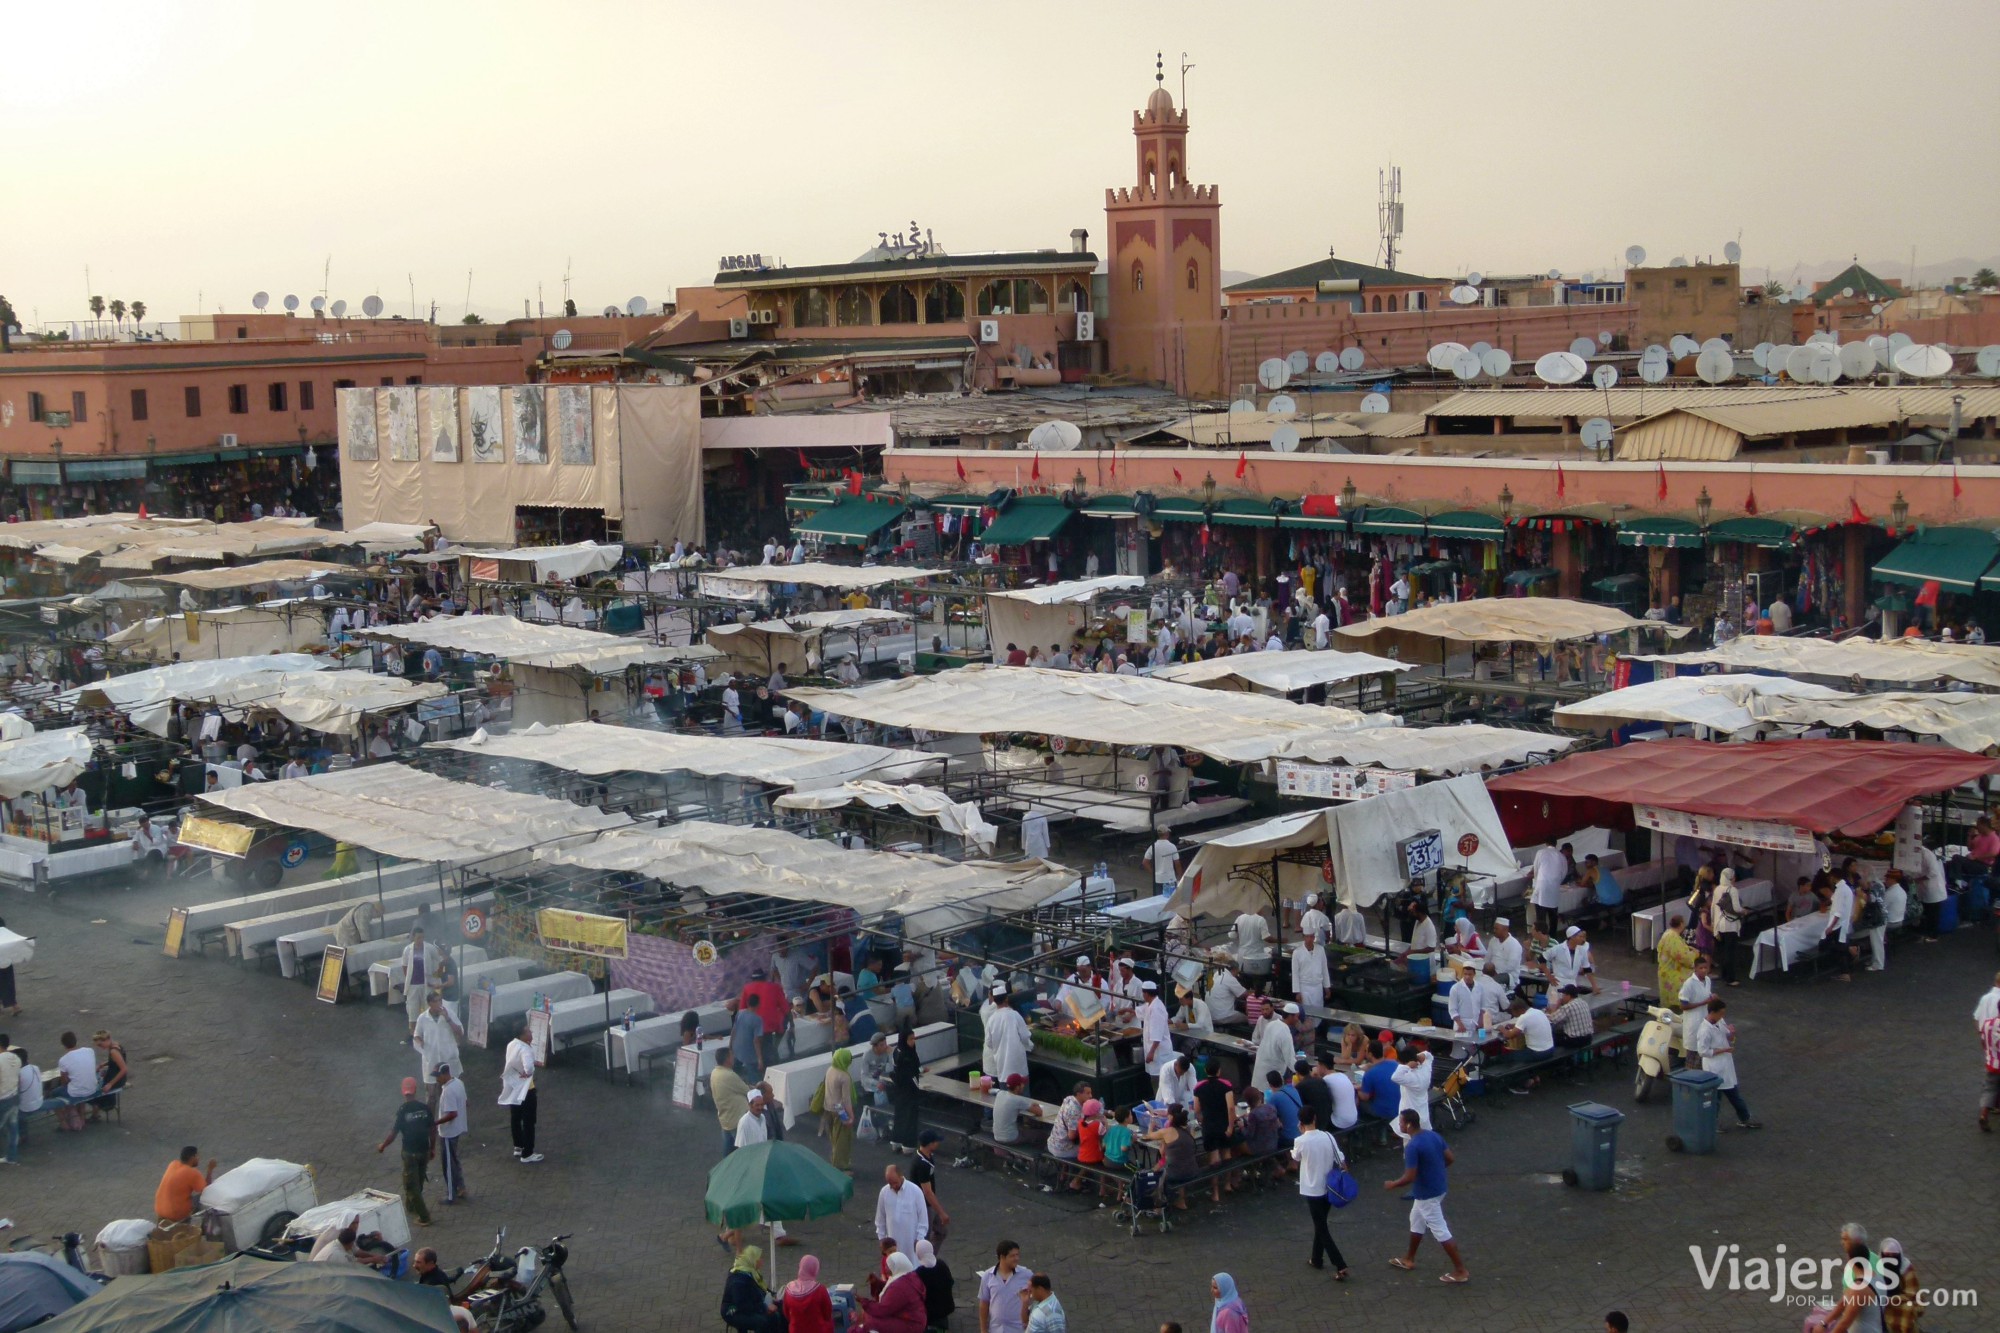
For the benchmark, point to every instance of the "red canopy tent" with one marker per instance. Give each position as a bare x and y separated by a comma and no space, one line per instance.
1851,787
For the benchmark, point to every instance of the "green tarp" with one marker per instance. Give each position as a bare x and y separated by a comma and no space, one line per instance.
1030,520
1754,532
1954,558
851,520
1675,532
1390,521
246,1293
1469,524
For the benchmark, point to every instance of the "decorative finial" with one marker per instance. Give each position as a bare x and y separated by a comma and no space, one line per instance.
1160,67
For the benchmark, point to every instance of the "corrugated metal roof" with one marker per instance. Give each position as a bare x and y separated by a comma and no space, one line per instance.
1677,436
1619,402
1212,428
1760,420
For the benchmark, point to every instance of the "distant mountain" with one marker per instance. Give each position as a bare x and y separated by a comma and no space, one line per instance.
1926,274
1232,276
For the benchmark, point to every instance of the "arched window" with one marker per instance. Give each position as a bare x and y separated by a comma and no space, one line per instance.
1075,296
1173,173
1013,296
852,306
1423,302
1138,276
1392,305
809,309
1152,175
1376,305
899,305
1194,276
943,303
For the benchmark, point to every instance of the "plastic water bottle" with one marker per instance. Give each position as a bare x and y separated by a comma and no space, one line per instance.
1625,988
628,1018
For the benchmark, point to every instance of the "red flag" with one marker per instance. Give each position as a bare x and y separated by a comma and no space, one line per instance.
1035,472
853,482
1750,503
1663,480
1957,491
1114,465
143,514
959,463
1854,514
1177,476
1928,594
1242,464
805,464
1562,485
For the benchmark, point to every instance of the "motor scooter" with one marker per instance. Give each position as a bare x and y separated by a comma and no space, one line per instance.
1658,1041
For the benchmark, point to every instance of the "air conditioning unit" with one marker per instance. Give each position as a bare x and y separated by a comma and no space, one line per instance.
989,330
763,317
1086,326
229,440
739,328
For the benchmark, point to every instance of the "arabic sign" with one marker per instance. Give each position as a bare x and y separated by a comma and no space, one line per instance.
216,835
1712,828
1421,853
1337,782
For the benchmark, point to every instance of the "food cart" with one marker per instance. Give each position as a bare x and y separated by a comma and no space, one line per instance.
252,1204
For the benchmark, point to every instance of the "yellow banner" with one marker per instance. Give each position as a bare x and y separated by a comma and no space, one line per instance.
215,835
582,932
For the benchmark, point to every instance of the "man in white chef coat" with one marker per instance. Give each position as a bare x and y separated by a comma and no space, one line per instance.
1127,994
1008,1040
1568,963
1275,1047
1503,953
1464,1002
1082,994
1309,973
1312,921
1156,1042
1349,926
1551,871
1253,945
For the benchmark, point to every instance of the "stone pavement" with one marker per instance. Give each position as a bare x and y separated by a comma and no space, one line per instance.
1868,1091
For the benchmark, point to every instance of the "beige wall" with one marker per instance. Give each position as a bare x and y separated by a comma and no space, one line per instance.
1699,300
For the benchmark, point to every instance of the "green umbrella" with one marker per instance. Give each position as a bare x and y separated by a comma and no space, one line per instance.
246,1295
774,1182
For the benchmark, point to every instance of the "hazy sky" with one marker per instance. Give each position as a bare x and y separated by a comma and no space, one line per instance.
184,148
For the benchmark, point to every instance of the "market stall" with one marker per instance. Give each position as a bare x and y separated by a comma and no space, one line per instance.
292,626
1896,661
1289,672
1056,614
756,583
763,646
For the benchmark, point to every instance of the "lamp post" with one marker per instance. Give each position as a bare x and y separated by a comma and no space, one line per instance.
1506,505
1347,497
1208,491
1702,505
1899,514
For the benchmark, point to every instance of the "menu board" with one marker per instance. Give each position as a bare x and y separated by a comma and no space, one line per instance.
332,973
1712,828
1338,782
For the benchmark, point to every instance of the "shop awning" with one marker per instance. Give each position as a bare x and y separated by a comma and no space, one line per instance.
1954,558
1670,532
1468,524
1390,521
1754,532
1027,520
1312,522
26,472
105,469
1522,578
850,520
180,460
593,748
1109,506
1899,661
1246,514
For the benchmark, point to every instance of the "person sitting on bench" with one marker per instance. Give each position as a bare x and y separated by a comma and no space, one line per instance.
1574,1026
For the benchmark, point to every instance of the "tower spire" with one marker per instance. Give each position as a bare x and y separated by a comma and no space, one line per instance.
1160,68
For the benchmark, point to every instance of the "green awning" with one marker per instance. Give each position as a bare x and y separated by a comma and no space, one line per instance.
1432,567
1176,510
105,469
1677,532
1312,522
850,520
1246,514
1033,519
968,503
250,451
1754,532
26,472
1390,521
180,460
1468,524
1109,506
1954,558
1521,578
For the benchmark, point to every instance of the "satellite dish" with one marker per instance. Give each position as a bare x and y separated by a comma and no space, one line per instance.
1761,354
1635,255
1604,377
1653,371
1298,362
1988,361
1480,349
1715,365
1466,365
1474,279
1442,355
636,306
1823,336
1815,363
1604,337
1055,437
611,312
1352,358
339,309
1778,359
260,300
1375,403
1897,342
1327,362
1876,309
1585,347
1732,253
1595,433
1495,362
371,306
1679,261
1285,439
1924,360
291,302
1561,368
1282,405
1717,344
1273,373
560,339
1555,275
1857,361
1681,345
1242,405
1464,295
1800,291
318,304
1847,291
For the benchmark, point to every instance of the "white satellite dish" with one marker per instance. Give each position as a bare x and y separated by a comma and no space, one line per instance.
1857,361
1604,377
1055,437
1595,433
318,303
1988,361
1352,358
1561,368
636,306
1847,291
260,300
1635,255
1282,405
1327,362
1778,359
611,312
1604,337
1464,295
1924,360
291,302
1815,363
1481,348
1495,362
1679,261
1681,346
1474,279
1731,252
1876,309
1375,403
1242,405
1897,342
1298,362
1273,372
560,340
1555,275
1655,352
371,306
1717,344
1800,291
1715,365
339,309
1285,439
1442,355
1583,347
1466,365
1761,354
1654,371
1880,344
1823,336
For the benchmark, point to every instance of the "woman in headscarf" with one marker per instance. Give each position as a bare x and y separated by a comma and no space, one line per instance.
1229,1315
900,1307
746,1301
1725,923
1465,938
837,1115
807,1305
938,1282
1900,1310
1676,958
904,1070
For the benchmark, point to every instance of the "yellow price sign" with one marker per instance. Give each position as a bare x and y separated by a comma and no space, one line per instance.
582,932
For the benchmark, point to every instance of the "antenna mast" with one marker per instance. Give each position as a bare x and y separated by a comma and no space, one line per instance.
1389,213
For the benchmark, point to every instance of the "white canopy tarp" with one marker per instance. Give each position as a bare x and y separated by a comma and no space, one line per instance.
933,895
864,618
231,631
961,818
594,748
523,641
1969,722
1108,709
397,811
1283,672
45,759
1360,837
333,702
1726,704
1536,620
382,538
1048,617
1465,748
750,583
1899,661
139,690
1075,590
546,562
250,576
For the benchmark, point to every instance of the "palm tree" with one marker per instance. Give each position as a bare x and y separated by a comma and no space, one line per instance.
97,307
138,312
472,319
1986,277
1774,288
118,313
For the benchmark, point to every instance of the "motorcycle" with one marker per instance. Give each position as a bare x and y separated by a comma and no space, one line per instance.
505,1292
1658,1040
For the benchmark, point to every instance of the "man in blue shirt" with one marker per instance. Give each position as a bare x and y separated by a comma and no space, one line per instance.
1425,1158
1286,1101
1609,894
1379,1095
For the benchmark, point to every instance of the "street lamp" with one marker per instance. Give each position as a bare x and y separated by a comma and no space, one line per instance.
1899,514
903,488
1347,496
1506,505
1208,491
1702,504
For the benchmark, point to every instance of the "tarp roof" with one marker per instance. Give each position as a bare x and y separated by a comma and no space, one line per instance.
397,811
45,759
563,562
1899,661
1953,558
1464,748
1720,703
1209,429
1361,838
843,620
850,519
333,702
531,644
126,541
1293,669
594,748
1853,787
382,537
181,680
1964,721
932,894
248,576
1111,710
745,583
1072,591
1538,620
1026,521
962,818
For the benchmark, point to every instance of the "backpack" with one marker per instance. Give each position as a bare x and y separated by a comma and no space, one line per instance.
1869,913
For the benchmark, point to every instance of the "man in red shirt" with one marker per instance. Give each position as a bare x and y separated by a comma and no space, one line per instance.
1984,845
773,1007
1015,657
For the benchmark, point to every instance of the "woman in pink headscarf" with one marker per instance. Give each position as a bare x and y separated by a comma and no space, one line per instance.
807,1306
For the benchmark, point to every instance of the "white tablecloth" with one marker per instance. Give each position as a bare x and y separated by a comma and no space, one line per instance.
623,1046
512,999
385,977
1754,893
794,1080
1779,947
583,1011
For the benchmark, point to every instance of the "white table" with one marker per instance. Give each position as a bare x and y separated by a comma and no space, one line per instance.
585,1012
1780,946
809,1036
499,971
1754,893
794,1080
623,1046
512,999
385,976
209,916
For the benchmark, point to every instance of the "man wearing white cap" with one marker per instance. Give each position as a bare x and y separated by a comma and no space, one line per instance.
1082,994
1007,1041
1275,1049
1165,858
1309,972
1155,1036
1503,952
1349,926
1568,963
1127,994
1313,921
1253,944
